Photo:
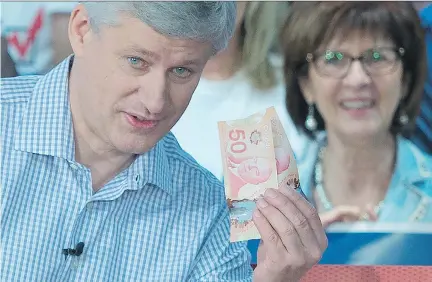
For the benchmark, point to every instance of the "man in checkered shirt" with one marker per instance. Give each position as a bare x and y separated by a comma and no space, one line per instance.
94,188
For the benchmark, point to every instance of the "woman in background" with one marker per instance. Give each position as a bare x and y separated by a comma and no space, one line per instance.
355,73
243,79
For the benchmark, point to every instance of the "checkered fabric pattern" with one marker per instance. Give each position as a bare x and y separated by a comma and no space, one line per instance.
162,219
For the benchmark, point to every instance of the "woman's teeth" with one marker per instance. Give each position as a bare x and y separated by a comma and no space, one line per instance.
357,104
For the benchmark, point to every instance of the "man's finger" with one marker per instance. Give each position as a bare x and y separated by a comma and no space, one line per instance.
309,211
297,220
278,231
275,249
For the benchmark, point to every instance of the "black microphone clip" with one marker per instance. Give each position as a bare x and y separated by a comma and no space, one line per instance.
74,252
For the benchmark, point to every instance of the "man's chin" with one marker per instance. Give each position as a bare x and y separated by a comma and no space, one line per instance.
138,142
137,147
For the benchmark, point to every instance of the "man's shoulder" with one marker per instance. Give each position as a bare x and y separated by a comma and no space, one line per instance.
188,175
17,89
15,95
182,159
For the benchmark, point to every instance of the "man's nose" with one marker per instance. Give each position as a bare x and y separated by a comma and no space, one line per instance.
153,92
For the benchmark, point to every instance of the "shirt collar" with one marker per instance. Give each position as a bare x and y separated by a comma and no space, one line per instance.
46,126
46,129
152,168
412,165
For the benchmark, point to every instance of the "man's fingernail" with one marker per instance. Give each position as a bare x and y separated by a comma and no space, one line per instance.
271,193
257,213
262,203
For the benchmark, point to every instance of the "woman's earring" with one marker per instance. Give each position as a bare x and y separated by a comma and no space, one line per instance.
403,118
311,123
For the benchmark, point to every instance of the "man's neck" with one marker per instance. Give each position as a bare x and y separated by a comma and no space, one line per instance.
104,163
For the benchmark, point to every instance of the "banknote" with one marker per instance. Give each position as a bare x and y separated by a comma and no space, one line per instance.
249,168
286,165
256,155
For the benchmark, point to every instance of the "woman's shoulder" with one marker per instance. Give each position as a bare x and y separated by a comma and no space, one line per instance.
409,150
415,166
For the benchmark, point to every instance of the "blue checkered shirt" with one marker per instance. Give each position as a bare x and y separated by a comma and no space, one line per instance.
162,219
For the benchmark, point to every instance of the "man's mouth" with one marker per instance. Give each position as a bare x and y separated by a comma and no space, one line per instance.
139,118
141,122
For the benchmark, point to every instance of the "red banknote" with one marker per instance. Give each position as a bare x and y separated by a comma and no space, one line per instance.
256,155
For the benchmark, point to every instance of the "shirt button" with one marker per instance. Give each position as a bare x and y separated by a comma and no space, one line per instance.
90,206
137,178
74,166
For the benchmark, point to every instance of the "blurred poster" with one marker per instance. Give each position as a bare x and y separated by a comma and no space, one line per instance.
375,244
368,273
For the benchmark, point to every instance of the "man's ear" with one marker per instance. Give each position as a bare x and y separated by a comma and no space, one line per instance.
79,29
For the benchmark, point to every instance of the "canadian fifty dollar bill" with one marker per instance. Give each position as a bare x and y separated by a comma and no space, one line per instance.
256,155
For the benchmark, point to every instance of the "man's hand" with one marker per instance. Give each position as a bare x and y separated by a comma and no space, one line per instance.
292,236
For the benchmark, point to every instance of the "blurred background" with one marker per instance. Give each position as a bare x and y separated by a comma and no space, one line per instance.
373,199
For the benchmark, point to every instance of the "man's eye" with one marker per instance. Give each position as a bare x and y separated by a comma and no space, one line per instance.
136,62
181,72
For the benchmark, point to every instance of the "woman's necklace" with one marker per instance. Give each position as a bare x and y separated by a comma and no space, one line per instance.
319,186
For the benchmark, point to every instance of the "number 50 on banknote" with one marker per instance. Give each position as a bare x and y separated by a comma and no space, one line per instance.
256,155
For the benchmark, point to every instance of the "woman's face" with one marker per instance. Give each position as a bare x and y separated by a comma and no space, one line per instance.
358,104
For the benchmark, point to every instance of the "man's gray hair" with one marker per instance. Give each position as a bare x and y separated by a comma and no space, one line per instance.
211,22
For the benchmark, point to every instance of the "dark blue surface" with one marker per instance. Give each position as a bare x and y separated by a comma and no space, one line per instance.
384,249
253,247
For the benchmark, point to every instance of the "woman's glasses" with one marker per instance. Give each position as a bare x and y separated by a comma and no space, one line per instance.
336,64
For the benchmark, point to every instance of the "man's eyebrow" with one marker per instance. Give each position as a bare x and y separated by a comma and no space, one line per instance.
144,52
190,62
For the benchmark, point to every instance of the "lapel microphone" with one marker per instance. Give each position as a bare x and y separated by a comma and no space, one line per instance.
77,251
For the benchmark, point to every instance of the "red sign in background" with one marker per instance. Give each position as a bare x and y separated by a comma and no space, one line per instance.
398,253
349,273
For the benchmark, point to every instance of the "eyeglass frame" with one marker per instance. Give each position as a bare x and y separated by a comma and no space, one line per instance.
400,52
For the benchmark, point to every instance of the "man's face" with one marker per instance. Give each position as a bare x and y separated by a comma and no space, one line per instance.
134,83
